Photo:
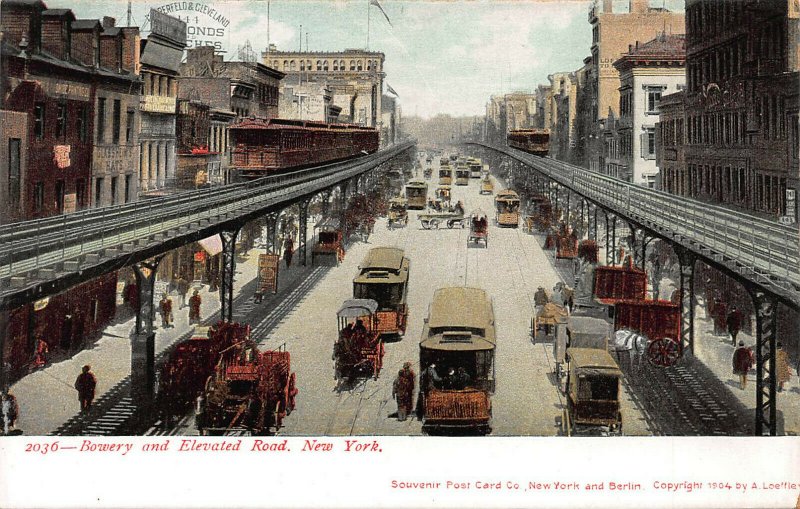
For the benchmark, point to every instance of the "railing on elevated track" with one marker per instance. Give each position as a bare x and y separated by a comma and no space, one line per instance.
766,248
43,243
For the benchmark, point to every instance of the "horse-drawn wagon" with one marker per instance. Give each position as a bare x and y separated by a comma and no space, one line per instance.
330,245
478,229
398,213
358,350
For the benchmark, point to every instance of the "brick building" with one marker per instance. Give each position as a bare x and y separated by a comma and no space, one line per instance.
732,137
56,70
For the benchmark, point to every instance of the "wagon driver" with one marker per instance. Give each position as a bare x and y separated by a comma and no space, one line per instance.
403,391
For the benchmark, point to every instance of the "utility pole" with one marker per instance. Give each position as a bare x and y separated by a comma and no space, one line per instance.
129,14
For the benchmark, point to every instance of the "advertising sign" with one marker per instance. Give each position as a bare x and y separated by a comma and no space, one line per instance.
268,273
169,27
205,25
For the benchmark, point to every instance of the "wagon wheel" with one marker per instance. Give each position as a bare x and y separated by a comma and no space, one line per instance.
451,224
435,224
663,352
426,224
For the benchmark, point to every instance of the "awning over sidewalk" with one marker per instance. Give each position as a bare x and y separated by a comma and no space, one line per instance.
212,245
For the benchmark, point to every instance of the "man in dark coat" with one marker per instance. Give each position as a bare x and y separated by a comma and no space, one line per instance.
166,311
403,391
742,362
734,323
194,307
85,385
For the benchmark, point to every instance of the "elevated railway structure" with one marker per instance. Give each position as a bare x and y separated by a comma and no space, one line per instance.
44,257
762,255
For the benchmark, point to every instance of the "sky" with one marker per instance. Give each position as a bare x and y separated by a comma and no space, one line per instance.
442,57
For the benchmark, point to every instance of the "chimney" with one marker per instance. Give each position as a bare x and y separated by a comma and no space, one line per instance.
109,22
130,49
638,6
608,6
22,19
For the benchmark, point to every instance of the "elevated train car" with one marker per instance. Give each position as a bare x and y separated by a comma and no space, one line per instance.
263,147
534,141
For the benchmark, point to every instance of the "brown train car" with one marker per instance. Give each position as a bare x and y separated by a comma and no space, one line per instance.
534,141
263,147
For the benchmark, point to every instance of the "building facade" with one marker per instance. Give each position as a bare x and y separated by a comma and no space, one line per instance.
354,76
646,72
732,136
612,33
160,57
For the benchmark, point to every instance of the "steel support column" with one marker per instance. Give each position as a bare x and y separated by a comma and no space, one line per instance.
143,370
609,259
303,220
272,232
766,382
567,214
687,262
227,273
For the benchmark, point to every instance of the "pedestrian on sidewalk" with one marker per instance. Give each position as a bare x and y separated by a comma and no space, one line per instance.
288,251
183,289
40,355
403,391
194,307
742,362
784,372
718,313
10,411
85,385
734,323
166,311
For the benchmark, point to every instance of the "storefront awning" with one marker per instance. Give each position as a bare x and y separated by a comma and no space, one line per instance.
212,245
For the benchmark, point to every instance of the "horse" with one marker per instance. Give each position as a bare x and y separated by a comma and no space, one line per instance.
631,342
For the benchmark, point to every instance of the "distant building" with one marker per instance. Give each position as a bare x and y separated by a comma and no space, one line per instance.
354,76
646,72
562,97
390,120
732,136
309,101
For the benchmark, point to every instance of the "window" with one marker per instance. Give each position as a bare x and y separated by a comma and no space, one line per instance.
98,191
38,196
60,196
80,193
101,119
83,122
14,169
113,190
302,65
117,121
127,188
335,65
61,121
653,96
352,65
38,120
649,143
129,127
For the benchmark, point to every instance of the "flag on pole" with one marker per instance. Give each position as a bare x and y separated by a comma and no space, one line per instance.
391,90
378,5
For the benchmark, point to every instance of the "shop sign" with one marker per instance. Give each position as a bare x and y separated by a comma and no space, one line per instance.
268,273
70,202
61,156
205,25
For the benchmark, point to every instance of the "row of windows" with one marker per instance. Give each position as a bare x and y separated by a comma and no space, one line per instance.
268,94
62,119
651,97
325,65
156,84
708,18
717,65
116,122
752,189
727,128
114,195
59,194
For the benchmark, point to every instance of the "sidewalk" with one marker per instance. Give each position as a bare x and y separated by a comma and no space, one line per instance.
47,398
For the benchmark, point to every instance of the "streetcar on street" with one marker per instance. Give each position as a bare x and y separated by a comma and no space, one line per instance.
383,277
417,194
507,207
462,175
456,357
445,175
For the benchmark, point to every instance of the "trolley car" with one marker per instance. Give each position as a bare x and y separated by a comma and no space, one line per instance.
456,356
462,175
445,175
417,194
263,147
507,205
383,277
534,141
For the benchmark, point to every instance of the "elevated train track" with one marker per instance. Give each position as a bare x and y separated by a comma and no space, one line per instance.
756,249
43,257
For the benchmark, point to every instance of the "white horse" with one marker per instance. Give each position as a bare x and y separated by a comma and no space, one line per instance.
632,343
